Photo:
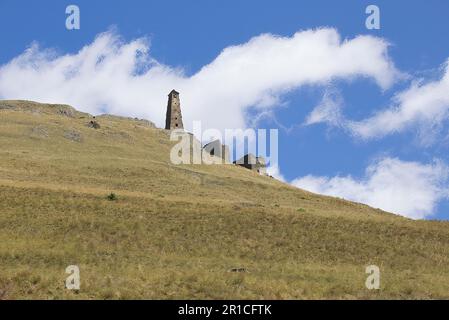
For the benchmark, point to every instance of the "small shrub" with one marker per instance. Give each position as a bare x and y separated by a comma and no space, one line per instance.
112,197
301,210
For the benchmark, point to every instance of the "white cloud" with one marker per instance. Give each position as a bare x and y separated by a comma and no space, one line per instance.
423,105
112,76
328,110
410,189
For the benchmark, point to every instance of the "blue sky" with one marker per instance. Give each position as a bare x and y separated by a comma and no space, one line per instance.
402,168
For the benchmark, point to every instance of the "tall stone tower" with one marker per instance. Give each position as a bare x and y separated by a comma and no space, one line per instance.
173,119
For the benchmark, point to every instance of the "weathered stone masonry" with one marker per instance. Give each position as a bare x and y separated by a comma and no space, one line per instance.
173,118
173,121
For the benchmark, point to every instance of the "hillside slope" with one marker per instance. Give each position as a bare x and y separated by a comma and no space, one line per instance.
178,231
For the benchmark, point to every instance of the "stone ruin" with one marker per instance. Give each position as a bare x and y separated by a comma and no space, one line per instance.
173,120
216,149
251,162
93,124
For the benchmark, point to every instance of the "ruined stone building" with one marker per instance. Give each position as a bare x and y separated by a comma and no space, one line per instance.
173,119
252,162
215,148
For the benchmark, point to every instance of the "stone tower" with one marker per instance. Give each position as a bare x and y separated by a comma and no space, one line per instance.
173,118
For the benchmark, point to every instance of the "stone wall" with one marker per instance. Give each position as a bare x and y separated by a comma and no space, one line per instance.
173,119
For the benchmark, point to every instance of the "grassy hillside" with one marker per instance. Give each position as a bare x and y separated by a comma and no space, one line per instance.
177,231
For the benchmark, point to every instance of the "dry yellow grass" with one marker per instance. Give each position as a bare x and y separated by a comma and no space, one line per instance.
176,231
